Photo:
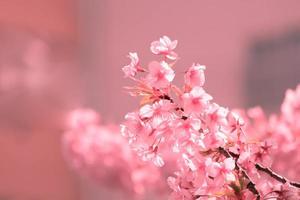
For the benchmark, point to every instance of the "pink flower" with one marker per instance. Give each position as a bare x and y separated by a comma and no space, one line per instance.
144,127
131,69
164,47
215,139
216,116
188,126
212,168
196,100
195,76
134,125
215,169
235,122
291,107
159,112
189,162
217,154
102,154
173,184
229,164
160,74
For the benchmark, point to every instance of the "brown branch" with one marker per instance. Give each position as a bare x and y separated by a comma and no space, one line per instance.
268,171
276,176
251,185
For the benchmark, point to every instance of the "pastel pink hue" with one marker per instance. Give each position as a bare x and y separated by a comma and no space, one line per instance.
194,76
216,157
164,46
196,100
131,69
160,74
281,129
291,108
102,154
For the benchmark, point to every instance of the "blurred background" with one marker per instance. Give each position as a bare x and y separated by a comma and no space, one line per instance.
58,55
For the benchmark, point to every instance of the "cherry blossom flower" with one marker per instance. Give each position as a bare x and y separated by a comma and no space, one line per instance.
281,131
160,74
131,69
194,76
291,107
218,153
164,47
216,116
235,122
196,100
215,169
99,152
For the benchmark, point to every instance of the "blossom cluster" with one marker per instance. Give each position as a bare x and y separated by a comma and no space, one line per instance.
99,152
282,130
216,157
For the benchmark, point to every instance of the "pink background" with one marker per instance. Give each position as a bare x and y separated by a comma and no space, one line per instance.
96,35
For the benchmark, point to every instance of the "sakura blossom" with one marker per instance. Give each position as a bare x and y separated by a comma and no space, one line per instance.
280,129
131,69
160,74
99,152
216,152
164,46
291,108
194,76
196,100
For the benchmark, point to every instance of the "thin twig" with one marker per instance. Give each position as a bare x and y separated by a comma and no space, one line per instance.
276,176
251,185
259,167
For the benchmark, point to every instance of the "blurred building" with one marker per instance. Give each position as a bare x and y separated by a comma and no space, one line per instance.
273,67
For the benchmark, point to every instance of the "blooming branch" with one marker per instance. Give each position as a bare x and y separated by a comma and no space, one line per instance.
99,152
216,158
